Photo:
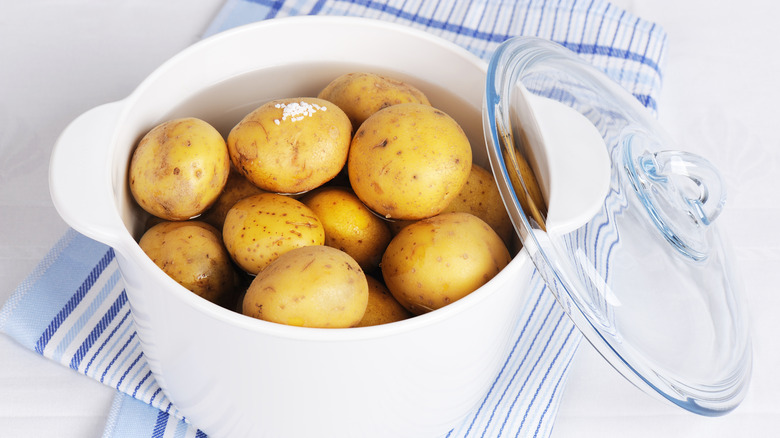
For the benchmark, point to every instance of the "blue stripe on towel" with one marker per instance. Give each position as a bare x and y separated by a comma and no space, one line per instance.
128,342
156,392
98,330
521,390
512,352
121,370
130,418
74,300
61,272
88,310
111,334
137,387
475,33
530,406
159,426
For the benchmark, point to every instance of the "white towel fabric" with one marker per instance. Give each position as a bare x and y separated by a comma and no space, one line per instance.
73,309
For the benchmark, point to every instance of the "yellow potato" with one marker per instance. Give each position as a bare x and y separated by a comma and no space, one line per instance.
480,197
349,225
313,286
192,253
382,308
362,94
408,161
179,169
236,189
439,260
291,145
260,228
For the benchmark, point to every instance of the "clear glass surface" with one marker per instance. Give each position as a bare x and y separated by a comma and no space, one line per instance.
647,279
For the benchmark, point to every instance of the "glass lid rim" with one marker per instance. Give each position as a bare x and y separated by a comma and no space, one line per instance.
494,114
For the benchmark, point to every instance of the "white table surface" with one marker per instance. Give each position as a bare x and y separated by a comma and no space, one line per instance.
720,98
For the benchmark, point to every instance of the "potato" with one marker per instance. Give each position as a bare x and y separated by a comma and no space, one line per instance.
260,228
408,161
439,260
236,189
531,199
480,197
192,253
382,308
313,286
291,145
179,169
362,94
349,225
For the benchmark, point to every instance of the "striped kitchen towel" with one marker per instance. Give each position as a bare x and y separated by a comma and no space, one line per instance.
73,309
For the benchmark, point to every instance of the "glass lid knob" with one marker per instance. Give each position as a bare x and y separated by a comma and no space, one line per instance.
682,193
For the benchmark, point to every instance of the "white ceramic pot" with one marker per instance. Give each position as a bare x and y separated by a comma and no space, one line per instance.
232,375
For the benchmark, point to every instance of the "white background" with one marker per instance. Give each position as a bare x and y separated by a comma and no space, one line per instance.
720,98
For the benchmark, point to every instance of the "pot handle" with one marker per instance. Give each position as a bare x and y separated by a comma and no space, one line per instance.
80,178
580,167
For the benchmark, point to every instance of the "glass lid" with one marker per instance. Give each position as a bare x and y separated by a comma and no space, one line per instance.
620,225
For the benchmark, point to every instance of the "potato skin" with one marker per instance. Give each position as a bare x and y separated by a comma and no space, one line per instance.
360,94
382,307
349,225
313,286
192,253
236,189
179,169
408,161
260,228
480,197
439,260
291,145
